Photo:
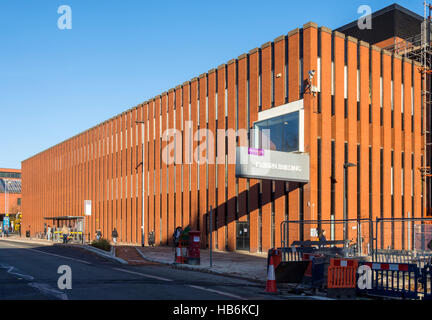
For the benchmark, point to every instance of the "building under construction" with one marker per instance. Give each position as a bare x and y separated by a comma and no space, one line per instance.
349,117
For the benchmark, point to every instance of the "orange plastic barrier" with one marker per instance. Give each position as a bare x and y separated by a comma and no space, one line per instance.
342,273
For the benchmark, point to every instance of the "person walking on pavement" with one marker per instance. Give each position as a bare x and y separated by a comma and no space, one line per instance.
114,236
49,233
98,234
176,236
176,240
65,233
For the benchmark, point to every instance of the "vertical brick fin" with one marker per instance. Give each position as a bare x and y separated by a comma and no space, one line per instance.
408,146
109,179
339,83
242,127
387,145
151,168
146,171
293,95
326,124
164,197
364,140
178,161
134,162
266,65
279,99
352,134
220,213
231,201
107,213
171,186
194,167
211,150
253,196
310,55
418,146
202,156
157,231
186,153
124,173
397,146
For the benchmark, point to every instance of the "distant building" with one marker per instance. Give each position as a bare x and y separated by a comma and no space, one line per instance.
10,193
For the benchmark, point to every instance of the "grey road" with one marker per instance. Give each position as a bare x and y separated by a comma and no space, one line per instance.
29,271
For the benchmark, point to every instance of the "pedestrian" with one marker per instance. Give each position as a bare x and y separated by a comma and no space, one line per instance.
65,233
114,235
98,234
176,236
151,238
321,236
49,233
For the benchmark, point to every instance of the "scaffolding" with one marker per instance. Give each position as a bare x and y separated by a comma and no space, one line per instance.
419,48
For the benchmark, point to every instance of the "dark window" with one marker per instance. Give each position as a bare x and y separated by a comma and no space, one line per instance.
381,116
358,110
319,179
333,105
19,201
283,130
346,108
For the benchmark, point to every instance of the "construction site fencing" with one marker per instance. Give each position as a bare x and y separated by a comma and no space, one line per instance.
355,235
403,233
394,280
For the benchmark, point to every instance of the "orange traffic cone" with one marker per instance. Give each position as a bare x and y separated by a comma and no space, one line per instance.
179,258
271,280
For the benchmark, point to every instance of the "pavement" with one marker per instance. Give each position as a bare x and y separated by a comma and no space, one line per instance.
235,264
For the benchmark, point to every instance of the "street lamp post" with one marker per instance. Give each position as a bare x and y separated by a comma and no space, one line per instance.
346,166
143,198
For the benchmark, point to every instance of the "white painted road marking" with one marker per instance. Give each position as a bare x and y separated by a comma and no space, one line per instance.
47,289
42,287
51,254
218,292
143,275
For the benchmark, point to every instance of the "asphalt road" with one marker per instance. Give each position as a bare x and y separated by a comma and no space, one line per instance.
29,271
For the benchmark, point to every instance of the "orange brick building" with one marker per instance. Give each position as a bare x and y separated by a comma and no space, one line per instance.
363,107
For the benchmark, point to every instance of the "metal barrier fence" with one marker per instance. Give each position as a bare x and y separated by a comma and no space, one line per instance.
394,280
402,233
357,233
426,282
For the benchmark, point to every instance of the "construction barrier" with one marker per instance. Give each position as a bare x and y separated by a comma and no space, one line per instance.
294,253
315,272
342,273
393,280
392,256
426,282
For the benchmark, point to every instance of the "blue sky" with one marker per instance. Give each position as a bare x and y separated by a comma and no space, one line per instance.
56,83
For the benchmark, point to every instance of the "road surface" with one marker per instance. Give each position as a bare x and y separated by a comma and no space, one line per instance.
30,271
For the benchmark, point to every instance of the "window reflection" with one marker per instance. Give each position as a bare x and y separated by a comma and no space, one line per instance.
279,133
